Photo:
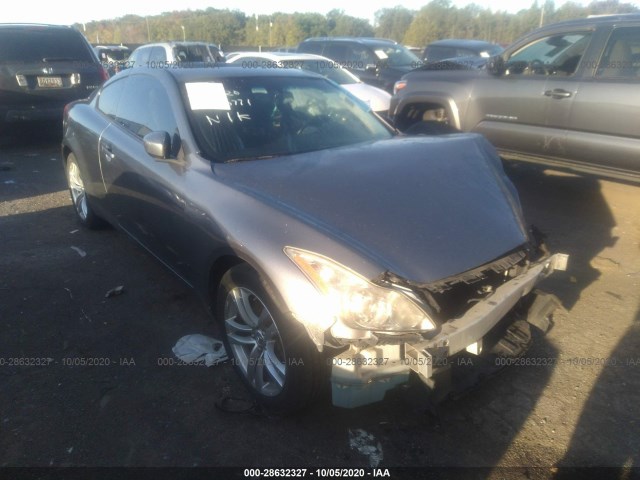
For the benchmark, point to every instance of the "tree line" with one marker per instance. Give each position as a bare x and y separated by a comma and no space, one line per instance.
436,20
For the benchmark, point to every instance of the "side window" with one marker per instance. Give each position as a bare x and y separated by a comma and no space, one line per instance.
311,47
336,51
110,98
145,107
437,53
621,58
358,57
553,55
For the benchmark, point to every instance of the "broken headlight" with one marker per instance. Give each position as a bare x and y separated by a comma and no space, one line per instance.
357,302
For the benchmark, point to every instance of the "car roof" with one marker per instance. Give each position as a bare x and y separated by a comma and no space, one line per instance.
175,42
460,42
279,56
36,26
363,40
217,71
112,47
594,20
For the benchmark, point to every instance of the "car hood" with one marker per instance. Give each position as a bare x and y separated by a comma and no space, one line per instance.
375,97
423,208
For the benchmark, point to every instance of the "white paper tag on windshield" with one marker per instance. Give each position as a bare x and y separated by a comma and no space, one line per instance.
381,55
207,96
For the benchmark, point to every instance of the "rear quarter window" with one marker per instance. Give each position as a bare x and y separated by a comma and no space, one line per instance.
110,97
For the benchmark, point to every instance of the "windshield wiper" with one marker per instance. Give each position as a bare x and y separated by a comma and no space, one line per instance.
257,157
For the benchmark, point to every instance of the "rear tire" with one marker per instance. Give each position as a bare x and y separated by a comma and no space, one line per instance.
79,198
271,352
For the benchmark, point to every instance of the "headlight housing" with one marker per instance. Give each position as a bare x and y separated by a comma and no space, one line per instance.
357,302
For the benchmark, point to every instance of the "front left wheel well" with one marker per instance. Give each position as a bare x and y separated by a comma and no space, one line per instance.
420,112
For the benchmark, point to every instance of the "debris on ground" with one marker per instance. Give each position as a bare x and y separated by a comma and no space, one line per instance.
196,348
367,445
79,251
114,292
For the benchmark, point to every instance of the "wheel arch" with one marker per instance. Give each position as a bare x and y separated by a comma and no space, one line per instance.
225,261
412,110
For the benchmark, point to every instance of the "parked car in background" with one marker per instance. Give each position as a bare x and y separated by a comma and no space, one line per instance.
319,237
113,57
374,97
466,52
164,54
375,61
565,95
42,68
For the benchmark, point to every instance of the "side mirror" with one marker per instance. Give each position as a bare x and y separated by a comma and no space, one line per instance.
157,144
371,68
496,65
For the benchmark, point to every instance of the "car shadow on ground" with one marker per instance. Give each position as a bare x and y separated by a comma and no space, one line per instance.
611,413
574,209
33,134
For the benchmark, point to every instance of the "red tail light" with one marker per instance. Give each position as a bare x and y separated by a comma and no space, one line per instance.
104,75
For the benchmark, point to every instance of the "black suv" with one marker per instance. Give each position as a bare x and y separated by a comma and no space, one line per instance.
375,61
42,68
564,95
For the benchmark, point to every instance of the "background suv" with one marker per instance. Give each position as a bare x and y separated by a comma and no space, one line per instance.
112,57
173,53
377,99
564,95
375,61
42,68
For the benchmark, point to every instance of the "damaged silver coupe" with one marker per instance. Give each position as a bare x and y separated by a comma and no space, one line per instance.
317,235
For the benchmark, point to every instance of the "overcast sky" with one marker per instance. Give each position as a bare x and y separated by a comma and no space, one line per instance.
48,11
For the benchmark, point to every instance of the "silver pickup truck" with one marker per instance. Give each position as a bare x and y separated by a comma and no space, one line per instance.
565,95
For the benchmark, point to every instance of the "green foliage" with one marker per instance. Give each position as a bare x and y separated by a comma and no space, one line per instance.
393,22
436,20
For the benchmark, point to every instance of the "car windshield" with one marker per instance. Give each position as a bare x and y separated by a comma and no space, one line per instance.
396,56
42,44
327,68
263,117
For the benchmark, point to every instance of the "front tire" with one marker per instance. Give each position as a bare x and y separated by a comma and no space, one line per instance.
84,212
272,352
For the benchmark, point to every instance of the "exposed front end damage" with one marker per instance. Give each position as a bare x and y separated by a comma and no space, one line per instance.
375,363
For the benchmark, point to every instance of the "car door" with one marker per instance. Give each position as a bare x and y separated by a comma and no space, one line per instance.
604,129
364,64
526,109
149,195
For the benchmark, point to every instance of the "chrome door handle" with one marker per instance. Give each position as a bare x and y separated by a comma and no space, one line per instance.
108,153
557,93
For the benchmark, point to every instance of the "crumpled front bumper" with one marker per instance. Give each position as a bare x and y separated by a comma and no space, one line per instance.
362,375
